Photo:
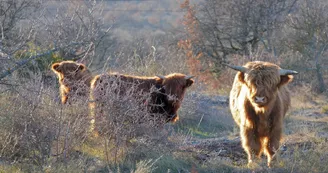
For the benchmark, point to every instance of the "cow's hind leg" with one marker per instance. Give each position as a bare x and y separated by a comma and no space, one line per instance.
250,143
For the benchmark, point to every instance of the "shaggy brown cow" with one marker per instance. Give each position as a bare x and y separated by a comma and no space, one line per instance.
74,79
259,100
170,93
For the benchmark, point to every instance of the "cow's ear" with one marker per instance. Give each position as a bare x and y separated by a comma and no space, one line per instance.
81,67
54,67
159,81
189,82
241,77
285,79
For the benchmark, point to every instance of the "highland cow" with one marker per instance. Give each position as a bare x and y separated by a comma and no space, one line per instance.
166,92
74,79
259,100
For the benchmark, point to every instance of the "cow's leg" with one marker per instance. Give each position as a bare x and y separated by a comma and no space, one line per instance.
93,108
97,118
250,143
64,99
100,119
272,144
64,92
273,139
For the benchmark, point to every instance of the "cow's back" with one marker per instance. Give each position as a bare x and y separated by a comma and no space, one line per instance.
120,84
142,83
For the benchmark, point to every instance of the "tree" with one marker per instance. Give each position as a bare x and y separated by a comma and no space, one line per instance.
12,13
309,37
14,33
222,28
72,30
75,21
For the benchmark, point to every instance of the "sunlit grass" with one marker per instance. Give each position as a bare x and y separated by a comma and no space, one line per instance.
9,168
324,109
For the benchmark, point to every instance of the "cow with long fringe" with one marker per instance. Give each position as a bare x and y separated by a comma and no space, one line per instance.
74,80
166,92
259,100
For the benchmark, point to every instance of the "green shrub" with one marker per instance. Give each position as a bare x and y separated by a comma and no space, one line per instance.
40,64
324,109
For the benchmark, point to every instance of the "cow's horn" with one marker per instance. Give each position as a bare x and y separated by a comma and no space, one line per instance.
189,77
238,68
162,77
283,72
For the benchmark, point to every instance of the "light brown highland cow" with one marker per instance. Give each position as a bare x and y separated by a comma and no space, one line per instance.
74,79
259,100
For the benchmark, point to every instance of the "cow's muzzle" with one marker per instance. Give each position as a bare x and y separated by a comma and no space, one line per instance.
260,100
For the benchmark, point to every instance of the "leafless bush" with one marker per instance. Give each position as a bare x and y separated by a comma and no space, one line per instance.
35,127
123,109
124,113
76,21
145,56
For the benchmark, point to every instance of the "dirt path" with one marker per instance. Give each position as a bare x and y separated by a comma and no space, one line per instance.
304,131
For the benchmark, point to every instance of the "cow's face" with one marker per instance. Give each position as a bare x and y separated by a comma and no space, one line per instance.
263,80
69,70
175,86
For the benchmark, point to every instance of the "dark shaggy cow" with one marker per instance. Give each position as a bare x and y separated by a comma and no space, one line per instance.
167,92
259,100
74,79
